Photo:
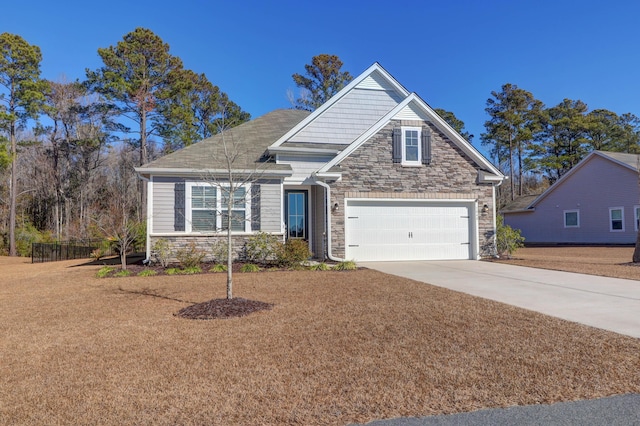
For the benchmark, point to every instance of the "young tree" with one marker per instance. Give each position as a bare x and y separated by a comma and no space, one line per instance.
455,122
135,72
514,116
21,99
323,80
192,109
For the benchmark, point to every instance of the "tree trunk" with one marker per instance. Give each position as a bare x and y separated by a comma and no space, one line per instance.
229,239
636,252
13,189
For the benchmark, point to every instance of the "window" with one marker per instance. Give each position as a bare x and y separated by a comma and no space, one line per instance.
616,219
411,149
203,208
636,209
208,208
572,218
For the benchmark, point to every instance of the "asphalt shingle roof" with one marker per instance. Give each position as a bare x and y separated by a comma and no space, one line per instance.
248,142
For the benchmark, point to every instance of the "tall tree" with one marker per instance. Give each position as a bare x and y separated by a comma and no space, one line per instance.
194,109
323,80
513,119
21,99
455,122
135,72
562,138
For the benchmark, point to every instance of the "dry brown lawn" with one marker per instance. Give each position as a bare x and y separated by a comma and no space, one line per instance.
605,261
338,347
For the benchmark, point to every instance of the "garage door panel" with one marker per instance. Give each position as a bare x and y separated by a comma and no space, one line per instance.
406,230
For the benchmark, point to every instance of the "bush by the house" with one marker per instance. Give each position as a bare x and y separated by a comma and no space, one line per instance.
190,255
508,240
293,252
162,251
262,248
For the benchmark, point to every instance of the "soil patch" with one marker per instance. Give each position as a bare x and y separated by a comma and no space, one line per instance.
223,308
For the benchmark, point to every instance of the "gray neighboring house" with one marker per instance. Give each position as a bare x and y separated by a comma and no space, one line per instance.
373,174
596,202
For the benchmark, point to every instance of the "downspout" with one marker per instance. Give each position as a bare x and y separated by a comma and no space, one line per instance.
328,220
148,218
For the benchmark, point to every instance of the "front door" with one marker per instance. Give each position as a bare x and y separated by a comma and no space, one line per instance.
296,214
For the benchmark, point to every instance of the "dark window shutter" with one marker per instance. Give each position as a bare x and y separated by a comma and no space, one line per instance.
178,206
397,145
255,207
426,147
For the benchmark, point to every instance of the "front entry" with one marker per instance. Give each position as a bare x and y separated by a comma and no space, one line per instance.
296,214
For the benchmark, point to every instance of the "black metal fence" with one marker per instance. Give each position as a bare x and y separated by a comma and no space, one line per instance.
66,250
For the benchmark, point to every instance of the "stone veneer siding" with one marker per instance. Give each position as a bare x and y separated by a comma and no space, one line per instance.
205,244
369,172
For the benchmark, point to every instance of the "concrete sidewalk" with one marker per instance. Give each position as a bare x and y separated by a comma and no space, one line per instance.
608,303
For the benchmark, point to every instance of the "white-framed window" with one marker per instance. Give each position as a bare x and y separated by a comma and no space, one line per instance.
207,208
571,218
616,219
636,210
411,146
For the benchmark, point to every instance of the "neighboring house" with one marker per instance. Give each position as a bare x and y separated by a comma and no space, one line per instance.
596,202
373,174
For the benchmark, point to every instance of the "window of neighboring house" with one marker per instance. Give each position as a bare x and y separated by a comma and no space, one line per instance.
572,218
616,219
208,212
636,209
411,146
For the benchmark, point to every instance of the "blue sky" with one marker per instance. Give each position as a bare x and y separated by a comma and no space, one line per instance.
452,53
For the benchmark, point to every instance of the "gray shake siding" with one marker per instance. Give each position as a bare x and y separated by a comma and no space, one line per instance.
369,172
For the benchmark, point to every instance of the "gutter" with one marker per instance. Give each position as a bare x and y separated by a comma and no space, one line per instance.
328,218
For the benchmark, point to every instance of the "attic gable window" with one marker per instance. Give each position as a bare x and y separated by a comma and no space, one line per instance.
411,149
411,146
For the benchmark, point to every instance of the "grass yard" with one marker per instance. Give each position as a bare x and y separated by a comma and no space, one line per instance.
337,348
604,261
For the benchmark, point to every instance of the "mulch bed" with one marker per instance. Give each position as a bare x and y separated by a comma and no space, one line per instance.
223,308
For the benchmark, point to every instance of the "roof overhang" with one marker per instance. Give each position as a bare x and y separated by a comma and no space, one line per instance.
298,150
199,173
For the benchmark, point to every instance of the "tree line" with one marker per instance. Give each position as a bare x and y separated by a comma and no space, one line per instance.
68,149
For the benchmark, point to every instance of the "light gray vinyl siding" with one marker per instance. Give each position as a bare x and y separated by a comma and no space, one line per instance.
349,117
594,188
303,165
270,207
163,204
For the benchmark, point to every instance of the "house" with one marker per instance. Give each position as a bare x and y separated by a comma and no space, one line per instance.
596,202
373,174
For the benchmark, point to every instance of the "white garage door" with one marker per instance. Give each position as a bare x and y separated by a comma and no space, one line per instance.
407,230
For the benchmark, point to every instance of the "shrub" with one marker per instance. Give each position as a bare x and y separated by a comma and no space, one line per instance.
218,267
147,273
97,254
345,265
173,271
190,255
249,267
122,273
508,240
105,271
162,251
320,267
219,251
191,270
293,252
262,248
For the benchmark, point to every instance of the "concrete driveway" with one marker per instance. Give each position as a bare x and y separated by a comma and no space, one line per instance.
608,303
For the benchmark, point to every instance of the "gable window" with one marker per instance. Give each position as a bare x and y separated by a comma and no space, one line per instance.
616,219
208,206
411,149
572,218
